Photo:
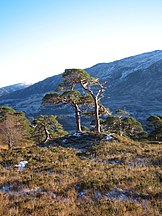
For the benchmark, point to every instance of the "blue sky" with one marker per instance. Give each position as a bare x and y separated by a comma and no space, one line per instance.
40,38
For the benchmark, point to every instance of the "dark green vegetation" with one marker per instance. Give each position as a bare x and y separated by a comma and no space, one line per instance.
110,168
155,127
46,128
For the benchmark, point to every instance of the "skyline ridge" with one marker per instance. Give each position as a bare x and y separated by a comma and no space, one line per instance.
100,63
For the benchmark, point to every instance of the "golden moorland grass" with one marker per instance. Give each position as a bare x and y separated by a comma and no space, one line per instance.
120,177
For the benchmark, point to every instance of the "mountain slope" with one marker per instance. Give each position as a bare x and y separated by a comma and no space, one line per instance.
11,88
133,84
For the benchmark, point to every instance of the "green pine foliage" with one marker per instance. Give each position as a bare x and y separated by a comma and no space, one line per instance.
46,127
127,126
155,127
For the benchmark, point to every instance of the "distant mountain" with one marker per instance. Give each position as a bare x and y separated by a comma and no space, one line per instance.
11,88
133,84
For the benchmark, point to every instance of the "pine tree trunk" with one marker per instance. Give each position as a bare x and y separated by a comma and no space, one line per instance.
97,119
77,118
46,134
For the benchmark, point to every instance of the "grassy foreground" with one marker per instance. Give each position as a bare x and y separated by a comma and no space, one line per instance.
82,176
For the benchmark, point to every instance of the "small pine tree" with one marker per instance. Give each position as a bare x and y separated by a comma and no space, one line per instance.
155,127
123,125
46,127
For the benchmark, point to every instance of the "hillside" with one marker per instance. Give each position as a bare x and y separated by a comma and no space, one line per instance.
132,84
11,88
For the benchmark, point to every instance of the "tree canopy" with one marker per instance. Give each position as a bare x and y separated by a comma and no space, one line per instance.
155,127
46,127
79,100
